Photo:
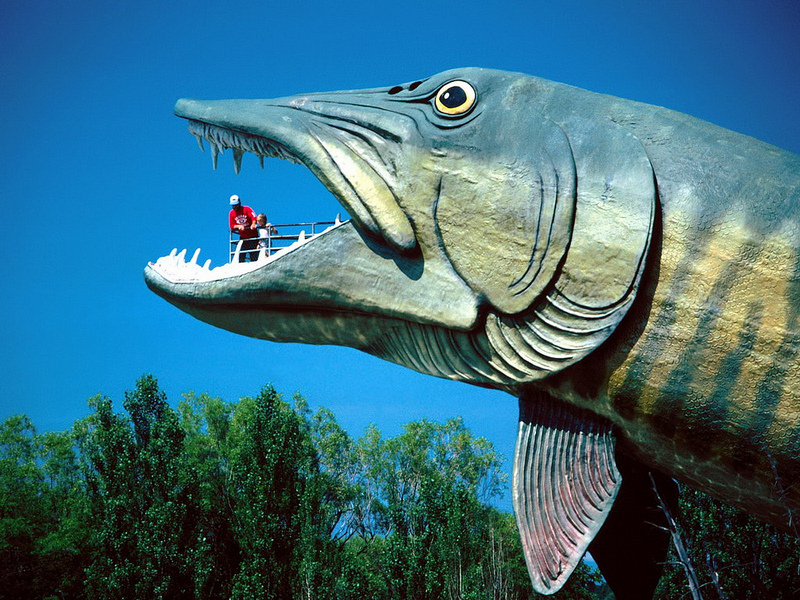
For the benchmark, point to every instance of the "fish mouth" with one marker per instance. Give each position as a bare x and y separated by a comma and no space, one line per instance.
370,268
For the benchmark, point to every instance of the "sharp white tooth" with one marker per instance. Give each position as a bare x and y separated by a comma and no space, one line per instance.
200,141
173,253
214,154
338,220
262,255
237,160
261,160
207,264
194,257
302,237
238,250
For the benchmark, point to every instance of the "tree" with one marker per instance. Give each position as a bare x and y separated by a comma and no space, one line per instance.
140,501
66,548
44,540
206,422
23,513
278,501
410,511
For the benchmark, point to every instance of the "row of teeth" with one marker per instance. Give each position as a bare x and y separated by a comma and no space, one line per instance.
220,138
176,268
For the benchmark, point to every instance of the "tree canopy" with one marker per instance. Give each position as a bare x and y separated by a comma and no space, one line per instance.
260,498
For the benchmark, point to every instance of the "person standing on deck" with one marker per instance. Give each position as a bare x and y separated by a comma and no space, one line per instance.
242,221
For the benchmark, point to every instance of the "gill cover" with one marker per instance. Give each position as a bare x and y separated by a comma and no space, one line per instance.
566,212
517,207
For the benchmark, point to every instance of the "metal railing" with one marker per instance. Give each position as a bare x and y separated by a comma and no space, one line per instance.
273,238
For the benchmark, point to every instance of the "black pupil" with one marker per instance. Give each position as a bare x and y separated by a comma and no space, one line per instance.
454,97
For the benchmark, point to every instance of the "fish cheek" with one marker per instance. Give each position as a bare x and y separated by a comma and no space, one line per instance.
492,228
505,210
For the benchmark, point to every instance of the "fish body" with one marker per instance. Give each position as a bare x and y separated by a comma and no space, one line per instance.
703,376
631,273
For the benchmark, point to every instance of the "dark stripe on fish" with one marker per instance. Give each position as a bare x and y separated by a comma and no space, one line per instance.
772,386
678,402
656,341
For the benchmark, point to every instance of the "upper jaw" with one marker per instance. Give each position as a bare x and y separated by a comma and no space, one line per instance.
351,156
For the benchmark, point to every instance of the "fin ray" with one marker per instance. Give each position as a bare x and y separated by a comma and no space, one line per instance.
565,482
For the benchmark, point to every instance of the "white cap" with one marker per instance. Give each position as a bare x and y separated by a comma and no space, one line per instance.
234,200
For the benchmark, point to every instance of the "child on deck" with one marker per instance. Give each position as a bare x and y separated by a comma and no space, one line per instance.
265,230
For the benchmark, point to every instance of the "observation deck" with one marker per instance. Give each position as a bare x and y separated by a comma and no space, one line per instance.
267,245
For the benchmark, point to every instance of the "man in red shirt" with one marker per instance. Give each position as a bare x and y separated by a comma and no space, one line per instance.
242,220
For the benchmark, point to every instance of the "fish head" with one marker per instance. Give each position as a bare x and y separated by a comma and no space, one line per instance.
463,200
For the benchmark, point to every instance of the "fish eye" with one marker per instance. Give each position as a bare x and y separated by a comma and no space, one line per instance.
455,99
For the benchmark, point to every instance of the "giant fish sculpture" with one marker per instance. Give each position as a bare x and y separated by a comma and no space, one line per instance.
630,273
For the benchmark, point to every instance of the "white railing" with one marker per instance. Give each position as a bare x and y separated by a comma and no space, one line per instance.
277,237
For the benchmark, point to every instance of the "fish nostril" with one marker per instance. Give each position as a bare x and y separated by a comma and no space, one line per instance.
414,86
395,90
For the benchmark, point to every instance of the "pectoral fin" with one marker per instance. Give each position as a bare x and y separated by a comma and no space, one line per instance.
565,482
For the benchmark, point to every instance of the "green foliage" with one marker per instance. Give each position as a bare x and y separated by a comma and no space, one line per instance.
140,499
23,511
735,556
430,479
273,466
206,422
263,499
43,538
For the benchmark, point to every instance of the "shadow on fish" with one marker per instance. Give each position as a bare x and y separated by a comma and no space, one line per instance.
630,273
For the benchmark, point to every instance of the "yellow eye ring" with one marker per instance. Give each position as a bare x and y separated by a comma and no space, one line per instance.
455,98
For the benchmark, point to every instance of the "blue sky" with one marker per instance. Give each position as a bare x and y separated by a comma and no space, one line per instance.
98,176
